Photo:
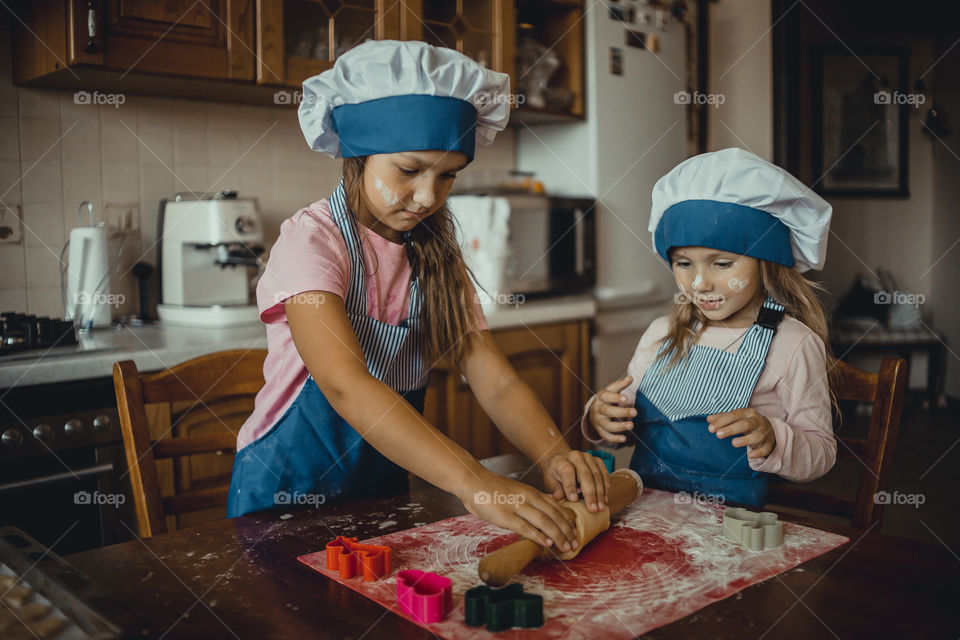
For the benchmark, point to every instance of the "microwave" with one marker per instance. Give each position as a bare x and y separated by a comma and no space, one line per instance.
539,245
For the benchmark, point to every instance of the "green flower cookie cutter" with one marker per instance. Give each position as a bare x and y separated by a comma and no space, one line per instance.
504,608
755,531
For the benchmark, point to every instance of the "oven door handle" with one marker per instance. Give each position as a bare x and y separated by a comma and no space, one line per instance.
55,478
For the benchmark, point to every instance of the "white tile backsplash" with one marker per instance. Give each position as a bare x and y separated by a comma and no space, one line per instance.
81,140
118,134
45,301
43,225
43,267
146,150
39,103
12,267
41,181
120,182
11,186
81,182
13,299
39,139
9,140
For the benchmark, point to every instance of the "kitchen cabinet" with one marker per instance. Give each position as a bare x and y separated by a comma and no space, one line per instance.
297,39
210,40
480,29
244,50
552,358
549,32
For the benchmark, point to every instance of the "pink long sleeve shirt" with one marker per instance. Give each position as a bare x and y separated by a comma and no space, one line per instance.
792,392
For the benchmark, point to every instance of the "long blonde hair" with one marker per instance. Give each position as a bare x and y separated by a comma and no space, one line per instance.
786,285
448,320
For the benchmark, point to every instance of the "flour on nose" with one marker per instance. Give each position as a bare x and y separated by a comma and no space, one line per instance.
738,284
697,281
389,197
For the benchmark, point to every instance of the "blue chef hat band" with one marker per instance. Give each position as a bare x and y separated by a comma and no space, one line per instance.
724,226
406,123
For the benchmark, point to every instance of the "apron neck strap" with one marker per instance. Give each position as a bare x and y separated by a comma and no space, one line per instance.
770,314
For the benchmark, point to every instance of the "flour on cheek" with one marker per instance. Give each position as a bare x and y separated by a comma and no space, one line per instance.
389,197
738,284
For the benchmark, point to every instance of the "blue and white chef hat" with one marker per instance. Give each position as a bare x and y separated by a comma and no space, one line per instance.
733,200
385,96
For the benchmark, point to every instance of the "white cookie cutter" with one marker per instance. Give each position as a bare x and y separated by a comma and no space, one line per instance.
755,531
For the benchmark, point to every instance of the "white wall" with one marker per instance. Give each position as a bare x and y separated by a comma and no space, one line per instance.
741,70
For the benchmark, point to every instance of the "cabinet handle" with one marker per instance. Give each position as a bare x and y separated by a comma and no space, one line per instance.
91,27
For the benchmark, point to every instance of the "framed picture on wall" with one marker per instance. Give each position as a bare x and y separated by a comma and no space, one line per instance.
859,118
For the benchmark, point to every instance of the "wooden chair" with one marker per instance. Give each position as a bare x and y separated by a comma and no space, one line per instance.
885,390
197,407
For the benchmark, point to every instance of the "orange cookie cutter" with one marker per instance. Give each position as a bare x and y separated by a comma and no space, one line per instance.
349,557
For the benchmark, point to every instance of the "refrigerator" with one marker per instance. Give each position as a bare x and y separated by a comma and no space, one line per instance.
634,133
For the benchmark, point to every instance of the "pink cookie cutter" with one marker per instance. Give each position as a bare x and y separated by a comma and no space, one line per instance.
426,597
349,557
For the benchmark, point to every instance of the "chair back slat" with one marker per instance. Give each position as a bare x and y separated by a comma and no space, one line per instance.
875,454
208,398
236,372
190,445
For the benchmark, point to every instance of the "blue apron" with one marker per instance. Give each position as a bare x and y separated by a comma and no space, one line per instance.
674,449
312,454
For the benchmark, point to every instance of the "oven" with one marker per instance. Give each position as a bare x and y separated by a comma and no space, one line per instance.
62,467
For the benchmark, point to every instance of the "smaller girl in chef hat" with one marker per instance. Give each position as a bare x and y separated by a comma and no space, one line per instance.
365,290
735,383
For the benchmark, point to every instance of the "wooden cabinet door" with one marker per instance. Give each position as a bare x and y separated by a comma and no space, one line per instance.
481,29
297,39
552,359
212,39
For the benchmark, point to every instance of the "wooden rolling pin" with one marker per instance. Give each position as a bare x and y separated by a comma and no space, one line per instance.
499,567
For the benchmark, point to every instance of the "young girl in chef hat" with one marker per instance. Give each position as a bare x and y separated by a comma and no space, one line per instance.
364,290
733,384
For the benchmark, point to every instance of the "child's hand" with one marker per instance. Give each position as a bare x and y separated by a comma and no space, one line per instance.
609,413
521,508
756,429
564,471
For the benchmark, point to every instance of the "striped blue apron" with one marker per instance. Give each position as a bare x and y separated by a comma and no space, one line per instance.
674,449
311,454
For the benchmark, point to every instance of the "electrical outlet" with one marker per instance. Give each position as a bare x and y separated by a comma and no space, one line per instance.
122,217
11,224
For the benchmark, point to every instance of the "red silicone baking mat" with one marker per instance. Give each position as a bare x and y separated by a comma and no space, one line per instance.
658,562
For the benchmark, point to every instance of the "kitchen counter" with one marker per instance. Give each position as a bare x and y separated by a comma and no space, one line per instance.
158,346
541,312
152,347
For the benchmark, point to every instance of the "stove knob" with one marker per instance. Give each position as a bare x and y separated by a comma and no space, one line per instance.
43,433
101,423
73,428
12,438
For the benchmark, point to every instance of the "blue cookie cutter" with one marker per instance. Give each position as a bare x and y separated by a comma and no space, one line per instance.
606,456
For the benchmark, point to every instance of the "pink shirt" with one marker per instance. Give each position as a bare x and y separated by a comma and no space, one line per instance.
311,255
792,392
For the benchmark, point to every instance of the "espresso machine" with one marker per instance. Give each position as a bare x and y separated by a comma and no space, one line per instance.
210,260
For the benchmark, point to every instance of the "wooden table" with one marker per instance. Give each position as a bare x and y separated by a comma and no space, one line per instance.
240,579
